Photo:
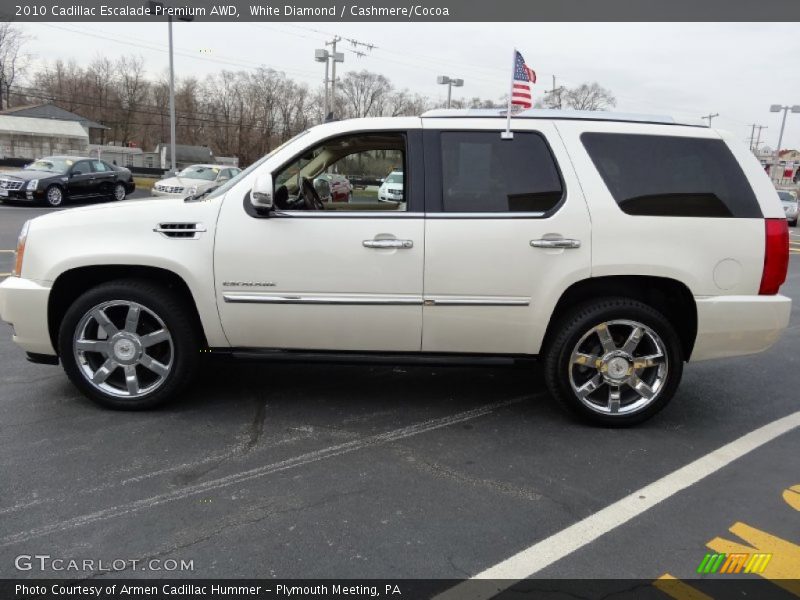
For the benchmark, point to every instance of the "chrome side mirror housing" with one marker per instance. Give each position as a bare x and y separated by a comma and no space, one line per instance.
261,196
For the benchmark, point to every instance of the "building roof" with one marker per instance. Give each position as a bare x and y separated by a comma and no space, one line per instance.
187,153
50,111
41,127
549,113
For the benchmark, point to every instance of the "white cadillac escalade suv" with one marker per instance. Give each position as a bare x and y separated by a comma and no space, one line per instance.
614,248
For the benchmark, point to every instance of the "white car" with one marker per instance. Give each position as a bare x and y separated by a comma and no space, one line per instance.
391,189
193,180
790,206
563,243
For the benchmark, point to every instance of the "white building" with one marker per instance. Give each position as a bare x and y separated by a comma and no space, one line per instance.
31,138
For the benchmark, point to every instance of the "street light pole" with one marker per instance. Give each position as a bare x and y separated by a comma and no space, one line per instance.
171,100
449,82
778,108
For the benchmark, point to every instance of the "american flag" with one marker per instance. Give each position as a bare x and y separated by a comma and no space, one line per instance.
524,78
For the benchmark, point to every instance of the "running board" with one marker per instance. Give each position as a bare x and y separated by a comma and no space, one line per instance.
376,358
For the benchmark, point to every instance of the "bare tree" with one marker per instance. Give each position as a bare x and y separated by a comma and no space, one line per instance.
365,94
12,59
589,96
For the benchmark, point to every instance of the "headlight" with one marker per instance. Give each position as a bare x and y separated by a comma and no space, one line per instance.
192,190
23,236
32,184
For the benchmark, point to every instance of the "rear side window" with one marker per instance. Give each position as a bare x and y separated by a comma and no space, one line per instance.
666,176
483,173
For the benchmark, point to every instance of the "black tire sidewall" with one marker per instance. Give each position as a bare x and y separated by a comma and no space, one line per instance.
164,303
580,320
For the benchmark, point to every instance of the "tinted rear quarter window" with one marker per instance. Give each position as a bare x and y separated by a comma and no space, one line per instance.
483,173
659,175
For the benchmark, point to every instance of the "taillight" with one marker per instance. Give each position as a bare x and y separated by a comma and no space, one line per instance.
776,256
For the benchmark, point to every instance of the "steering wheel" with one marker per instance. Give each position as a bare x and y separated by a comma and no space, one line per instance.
310,196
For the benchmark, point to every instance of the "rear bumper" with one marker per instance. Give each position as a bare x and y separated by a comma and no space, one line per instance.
738,325
23,304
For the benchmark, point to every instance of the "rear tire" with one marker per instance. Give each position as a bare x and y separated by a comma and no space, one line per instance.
129,344
613,361
793,223
119,192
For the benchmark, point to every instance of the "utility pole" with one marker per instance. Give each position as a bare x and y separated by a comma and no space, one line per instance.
758,136
709,117
172,161
336,57
553,92
752,136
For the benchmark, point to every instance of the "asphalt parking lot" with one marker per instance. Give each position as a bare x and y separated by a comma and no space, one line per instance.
350,471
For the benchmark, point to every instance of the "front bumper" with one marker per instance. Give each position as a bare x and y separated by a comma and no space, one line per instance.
23,304
22,195
790,212
738,325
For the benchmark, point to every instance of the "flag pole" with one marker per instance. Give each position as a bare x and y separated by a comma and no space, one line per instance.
508,134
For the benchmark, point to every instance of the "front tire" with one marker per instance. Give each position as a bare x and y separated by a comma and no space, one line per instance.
54,196
129,344
793,223
614,361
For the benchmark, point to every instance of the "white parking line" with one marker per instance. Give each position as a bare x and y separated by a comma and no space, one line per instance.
533,559
238,478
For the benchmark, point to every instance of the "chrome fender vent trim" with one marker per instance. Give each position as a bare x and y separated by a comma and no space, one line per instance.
186,231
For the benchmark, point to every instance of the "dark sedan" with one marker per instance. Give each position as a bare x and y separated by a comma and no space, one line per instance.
55,179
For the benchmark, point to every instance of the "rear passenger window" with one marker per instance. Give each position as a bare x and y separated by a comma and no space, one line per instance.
669,176
483,173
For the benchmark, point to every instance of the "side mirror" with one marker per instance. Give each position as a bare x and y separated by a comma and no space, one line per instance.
261,194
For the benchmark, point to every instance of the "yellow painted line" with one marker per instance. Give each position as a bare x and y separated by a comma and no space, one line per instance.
792,496
677,589
782,568
9,251
5,274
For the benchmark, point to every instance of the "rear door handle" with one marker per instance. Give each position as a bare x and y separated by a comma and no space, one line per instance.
564,243
403,244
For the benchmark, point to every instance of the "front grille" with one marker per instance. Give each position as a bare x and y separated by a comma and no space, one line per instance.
11,184
189,231
396,192
169,189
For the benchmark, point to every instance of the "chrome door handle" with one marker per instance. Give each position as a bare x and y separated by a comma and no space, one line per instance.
388,244
556,243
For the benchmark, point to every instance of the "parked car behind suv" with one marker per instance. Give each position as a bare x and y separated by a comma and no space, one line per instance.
790,206
391,189
194,180
54,180
562,243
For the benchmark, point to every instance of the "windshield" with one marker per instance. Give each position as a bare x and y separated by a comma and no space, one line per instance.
53,165
234,180
786,197
199,172
394,178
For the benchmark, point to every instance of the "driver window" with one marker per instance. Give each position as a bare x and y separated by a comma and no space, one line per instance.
346,173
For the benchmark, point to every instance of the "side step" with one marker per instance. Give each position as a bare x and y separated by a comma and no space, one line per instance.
377,358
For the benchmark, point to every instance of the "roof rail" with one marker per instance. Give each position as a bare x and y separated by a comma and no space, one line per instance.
550,113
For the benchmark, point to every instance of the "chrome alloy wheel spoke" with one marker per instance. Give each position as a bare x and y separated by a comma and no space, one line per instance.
627,357
118,360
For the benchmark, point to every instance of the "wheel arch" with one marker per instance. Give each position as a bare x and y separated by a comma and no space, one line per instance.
669,296
70,284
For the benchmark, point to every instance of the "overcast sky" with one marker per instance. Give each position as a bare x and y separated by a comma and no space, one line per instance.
685,70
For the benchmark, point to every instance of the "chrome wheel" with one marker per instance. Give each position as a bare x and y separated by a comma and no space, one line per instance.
123,348
55,196
119,192
618,367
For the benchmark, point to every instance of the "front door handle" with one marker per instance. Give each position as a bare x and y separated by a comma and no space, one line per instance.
403,244
558,243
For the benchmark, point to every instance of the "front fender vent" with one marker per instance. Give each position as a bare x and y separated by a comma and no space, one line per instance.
186,231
